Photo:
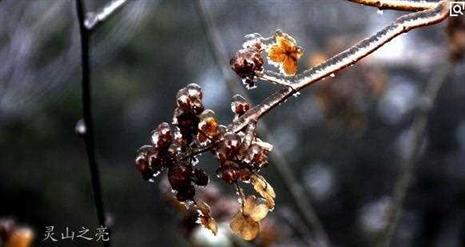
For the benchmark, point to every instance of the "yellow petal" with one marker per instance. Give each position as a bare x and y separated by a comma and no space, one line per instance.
276,54
285,41
297,53
244,227
203,207
289,66
210,224
264,189
287,45
205,219
255,208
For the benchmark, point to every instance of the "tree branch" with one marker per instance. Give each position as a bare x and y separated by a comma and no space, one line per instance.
87,128
405,5
344,59
92,21
407,164
298,194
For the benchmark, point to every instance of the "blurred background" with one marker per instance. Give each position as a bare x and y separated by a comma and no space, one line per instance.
343,137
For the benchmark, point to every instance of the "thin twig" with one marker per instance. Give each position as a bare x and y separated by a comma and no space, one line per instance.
88,133
407,164
298,193
344,59
405,5
92,21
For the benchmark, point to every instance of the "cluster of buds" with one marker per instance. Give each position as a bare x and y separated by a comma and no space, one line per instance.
241,154
248,62
170,143
195,130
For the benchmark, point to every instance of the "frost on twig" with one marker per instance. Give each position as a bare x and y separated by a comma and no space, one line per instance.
94,19
407,5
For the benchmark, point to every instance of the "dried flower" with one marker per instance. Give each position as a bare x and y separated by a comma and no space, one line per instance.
285,53
205,219
246,222
264,189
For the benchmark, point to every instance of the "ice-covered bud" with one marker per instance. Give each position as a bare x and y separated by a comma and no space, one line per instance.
162,137
239,105
247,63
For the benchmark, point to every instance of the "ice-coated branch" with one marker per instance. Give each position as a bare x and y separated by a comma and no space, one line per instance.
94,19
86,127
274,77
346,58
406,5
407,164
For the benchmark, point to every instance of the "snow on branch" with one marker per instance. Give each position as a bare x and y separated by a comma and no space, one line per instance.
94,19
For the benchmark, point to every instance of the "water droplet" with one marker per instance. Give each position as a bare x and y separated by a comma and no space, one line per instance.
144,149
194,161
155,137
238,98
249,84
332,75
380,12
253,36
91,20
80,128
208,113
296,94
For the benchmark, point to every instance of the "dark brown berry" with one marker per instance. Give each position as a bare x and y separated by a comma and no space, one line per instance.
246,63
232,141
185,193
156,161
244,174
179,176
200,177
190,99
229,175
239,105
187,123
162,137
209,127
256,156
142,163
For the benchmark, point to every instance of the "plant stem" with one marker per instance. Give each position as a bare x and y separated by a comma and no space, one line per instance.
93,21
406,5
88,133
407,164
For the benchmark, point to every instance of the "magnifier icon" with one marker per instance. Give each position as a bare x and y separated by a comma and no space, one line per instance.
457,8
